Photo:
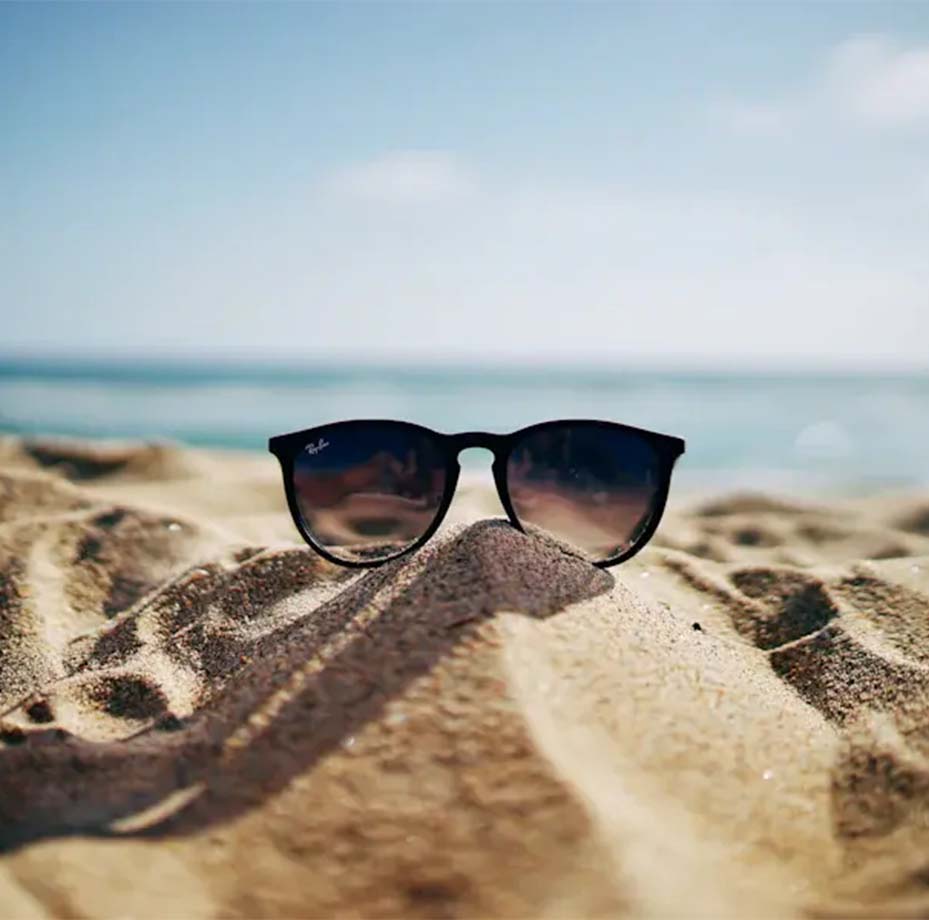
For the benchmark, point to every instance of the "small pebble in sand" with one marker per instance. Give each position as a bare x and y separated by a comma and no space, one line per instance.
697,627
349,742
173,526
644,574
768,774
705,607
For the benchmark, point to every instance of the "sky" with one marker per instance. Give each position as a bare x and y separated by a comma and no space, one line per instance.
688,184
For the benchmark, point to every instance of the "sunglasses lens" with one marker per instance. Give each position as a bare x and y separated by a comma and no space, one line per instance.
592,486
367,492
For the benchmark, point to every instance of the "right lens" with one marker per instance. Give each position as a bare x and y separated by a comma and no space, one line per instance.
368,491
591,485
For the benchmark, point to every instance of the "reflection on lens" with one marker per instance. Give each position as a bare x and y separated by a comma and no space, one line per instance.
368,492
590,486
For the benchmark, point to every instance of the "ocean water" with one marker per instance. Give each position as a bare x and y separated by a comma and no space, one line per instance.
791,432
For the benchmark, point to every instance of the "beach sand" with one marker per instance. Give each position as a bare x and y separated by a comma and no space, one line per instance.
201,718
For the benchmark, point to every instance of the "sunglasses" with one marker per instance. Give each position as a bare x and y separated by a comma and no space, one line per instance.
364,492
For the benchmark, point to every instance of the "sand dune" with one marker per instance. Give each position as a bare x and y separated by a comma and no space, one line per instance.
202,718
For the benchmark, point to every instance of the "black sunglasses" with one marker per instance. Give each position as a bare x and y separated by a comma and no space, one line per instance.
364,492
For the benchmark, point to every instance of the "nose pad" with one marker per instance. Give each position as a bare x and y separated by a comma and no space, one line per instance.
476,496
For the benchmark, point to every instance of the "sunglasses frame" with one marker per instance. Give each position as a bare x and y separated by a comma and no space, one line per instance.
286,447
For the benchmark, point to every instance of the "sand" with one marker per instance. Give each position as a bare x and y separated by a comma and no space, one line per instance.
201,718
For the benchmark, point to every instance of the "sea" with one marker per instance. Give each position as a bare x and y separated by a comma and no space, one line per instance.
792,432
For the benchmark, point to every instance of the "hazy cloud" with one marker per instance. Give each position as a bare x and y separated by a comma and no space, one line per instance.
878,81
752,119
922,186
406,177
869,80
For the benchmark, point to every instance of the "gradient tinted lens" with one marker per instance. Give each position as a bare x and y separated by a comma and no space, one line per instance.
594,487
367,492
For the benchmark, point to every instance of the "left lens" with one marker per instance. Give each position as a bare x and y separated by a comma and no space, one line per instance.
366,492
592,486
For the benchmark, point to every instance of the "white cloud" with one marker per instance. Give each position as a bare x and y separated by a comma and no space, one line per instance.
871,81
880,82
406,177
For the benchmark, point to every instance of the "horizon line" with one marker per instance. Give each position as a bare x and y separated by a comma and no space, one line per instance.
334,361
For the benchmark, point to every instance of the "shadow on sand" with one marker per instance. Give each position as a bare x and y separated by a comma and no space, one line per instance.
304,690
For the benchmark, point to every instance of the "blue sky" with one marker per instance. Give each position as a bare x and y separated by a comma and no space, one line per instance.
694,183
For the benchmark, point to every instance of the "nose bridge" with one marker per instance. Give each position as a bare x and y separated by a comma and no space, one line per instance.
468,439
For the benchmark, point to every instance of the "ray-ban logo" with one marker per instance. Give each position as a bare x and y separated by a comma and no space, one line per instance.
313,449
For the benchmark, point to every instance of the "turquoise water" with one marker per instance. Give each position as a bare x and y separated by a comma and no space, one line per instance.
800,431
